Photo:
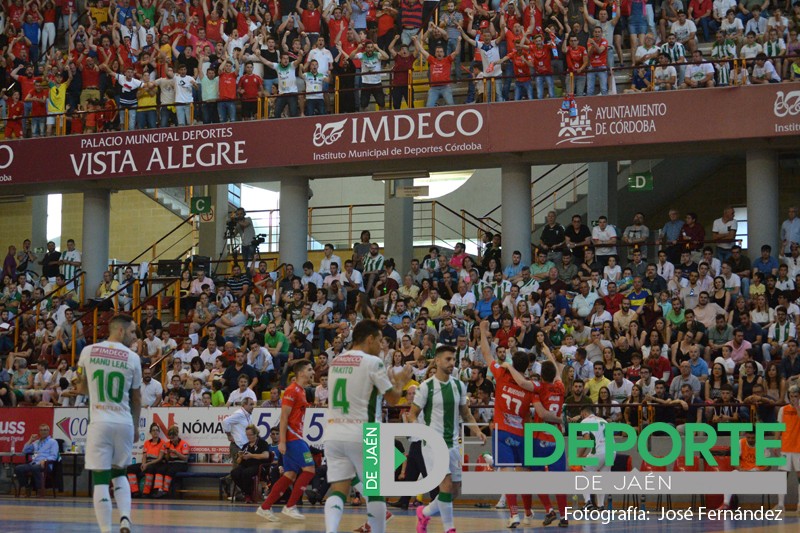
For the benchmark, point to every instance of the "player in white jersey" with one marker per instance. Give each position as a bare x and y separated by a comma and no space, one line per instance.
441,402
111,374
598,451
358,381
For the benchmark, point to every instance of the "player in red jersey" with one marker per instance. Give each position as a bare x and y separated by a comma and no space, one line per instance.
296,454
512,409
547,397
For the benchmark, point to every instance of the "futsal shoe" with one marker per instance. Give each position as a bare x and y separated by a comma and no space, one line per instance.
513,521
422,520
268,514
292,512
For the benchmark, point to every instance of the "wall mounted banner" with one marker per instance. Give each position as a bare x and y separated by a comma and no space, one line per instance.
537,126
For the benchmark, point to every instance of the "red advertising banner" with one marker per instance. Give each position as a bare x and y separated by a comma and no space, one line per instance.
319,142
18,424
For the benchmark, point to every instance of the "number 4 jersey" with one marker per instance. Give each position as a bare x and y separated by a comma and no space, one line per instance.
357,382
111,370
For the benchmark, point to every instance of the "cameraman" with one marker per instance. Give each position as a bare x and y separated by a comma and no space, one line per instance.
243,225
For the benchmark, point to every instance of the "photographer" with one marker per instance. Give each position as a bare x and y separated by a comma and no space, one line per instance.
243,226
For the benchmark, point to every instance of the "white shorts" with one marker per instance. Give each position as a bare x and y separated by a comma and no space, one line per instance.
455,462
108,445
601,466
345,460
792,462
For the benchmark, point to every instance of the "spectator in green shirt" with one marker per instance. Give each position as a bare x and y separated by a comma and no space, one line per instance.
275,341
217,398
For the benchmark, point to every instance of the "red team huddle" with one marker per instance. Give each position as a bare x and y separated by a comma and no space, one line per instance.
515,396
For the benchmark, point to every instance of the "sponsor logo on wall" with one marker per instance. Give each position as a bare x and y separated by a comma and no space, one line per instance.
375,136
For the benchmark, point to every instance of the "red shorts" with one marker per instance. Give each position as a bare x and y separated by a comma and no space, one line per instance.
13,127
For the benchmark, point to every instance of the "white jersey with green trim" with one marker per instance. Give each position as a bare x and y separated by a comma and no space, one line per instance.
357,382
112,370
440,403
598,436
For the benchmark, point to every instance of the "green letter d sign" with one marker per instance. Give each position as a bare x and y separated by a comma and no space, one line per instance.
380,463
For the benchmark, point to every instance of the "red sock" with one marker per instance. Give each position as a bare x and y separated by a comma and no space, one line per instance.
511,501
545,499
526,503
277,491
299,487
561,499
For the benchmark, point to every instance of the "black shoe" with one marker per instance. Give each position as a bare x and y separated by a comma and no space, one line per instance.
398,505
160,494
563,523
590,507
549,518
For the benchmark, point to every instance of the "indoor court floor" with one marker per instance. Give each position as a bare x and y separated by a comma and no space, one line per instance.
75,515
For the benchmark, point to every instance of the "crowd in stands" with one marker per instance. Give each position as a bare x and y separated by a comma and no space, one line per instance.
70,67
651,324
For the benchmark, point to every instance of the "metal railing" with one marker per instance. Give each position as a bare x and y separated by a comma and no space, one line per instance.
265,104
157,299
153,248
434,224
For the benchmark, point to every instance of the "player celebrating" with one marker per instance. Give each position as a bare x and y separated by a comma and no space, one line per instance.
598,451
357,379
443,400
511,412
548,404
111,374
790,438
295,451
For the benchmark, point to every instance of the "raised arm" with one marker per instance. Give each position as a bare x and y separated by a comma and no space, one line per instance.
424,53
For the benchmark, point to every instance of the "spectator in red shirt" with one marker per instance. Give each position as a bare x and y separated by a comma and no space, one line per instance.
38,99
692,236
311,17
14,121
251,87
439,67
403,63
410,20
337,24
523,86
540,55
598,62
700,12
577,63
226,106
90,79
385,23
213,24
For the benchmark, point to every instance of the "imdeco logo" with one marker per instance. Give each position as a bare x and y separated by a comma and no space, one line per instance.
786,104
437,126
326,135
